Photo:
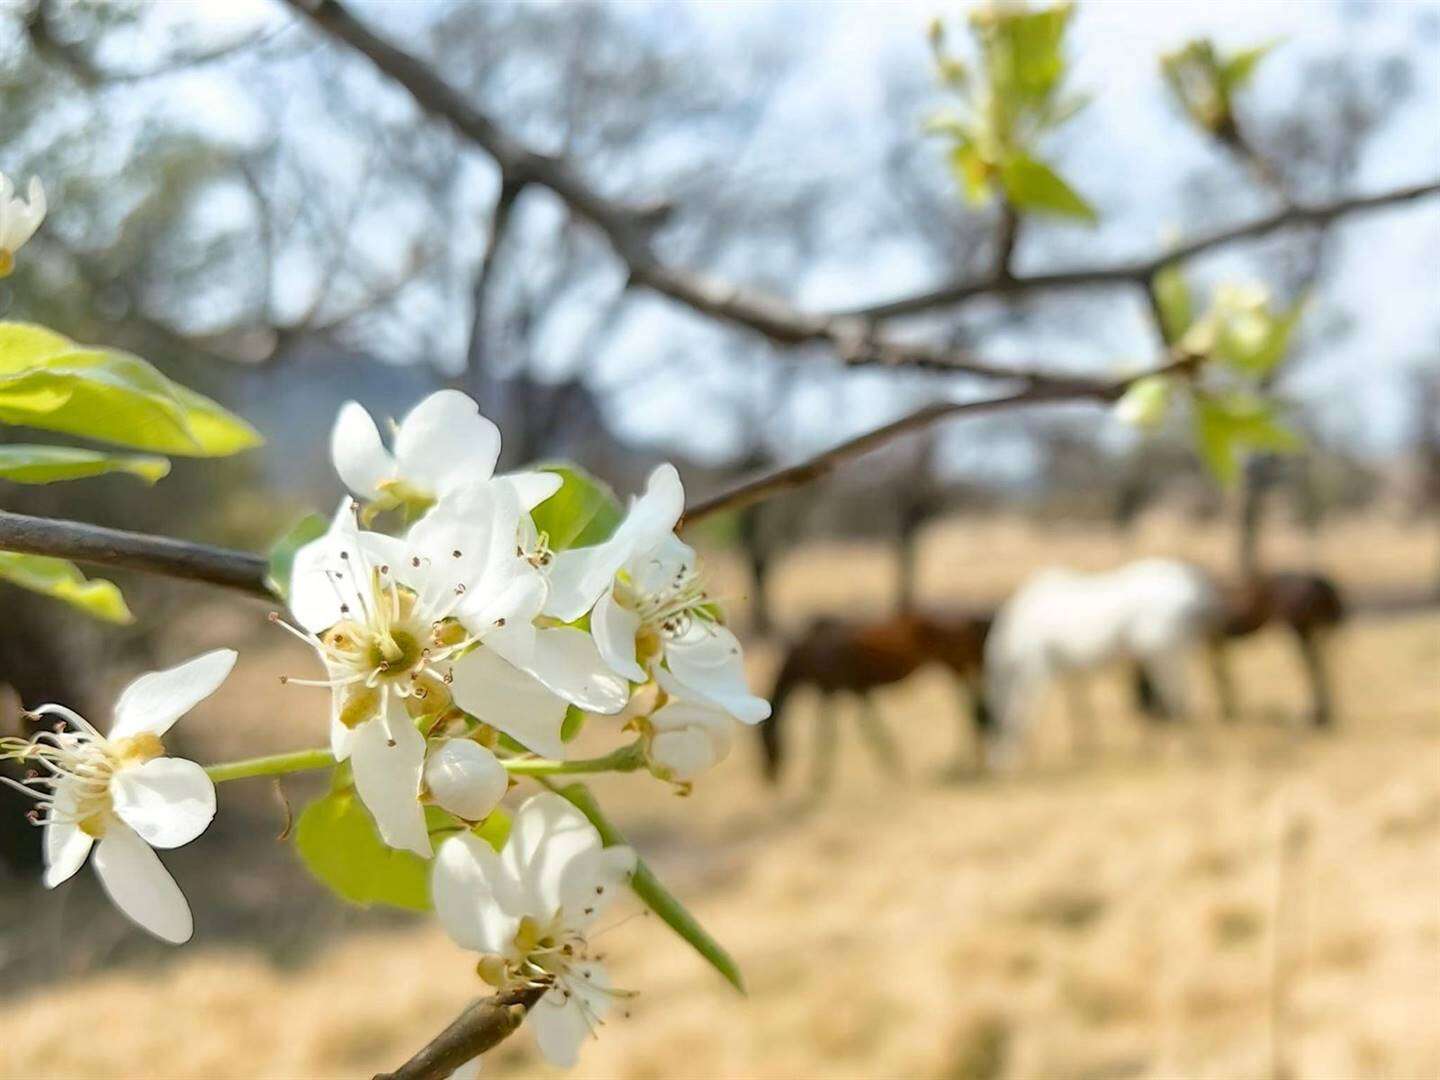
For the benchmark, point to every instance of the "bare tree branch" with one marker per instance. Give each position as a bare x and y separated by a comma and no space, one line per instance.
1140,271
772,483
474,373
481,1027
100,546
629,230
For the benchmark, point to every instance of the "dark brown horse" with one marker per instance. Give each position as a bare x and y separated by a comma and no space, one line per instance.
1309,606
838,656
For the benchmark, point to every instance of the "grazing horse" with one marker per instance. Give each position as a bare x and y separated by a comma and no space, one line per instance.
1062,624
837,655
1307,605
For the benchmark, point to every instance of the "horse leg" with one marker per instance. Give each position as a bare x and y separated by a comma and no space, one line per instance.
827,733
1312,652
1082,716
981,724
877,735
1167,672
1215,652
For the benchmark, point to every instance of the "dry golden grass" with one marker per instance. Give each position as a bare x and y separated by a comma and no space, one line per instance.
1111,917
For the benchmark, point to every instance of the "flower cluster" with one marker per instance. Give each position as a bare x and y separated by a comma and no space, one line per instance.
459,649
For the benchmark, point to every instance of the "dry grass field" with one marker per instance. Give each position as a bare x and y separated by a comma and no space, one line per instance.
1229,902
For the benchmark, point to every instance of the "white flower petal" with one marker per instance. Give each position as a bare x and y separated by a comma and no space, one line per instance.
477,899
465,778
490,687
567,662
690,738
66,846
140,886
153,702
706,664
321,583
579,576
168,801
444,443
614,627
387,755
532,487
563,1022
357,451
547,837
592,881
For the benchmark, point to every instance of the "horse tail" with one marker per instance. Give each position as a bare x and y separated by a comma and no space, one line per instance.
791,675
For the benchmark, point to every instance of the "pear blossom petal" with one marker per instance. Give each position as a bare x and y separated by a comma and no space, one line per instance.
444,443
592,881
705,664
563,1022
532,487
580,575
568,663
466,779
167,801
614,627
66,846
690,738
323,588
487,685
547,836
478,901
387,755
140,886
357,451
153,702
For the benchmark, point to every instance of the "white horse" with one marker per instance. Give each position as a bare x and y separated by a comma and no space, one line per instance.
1062,624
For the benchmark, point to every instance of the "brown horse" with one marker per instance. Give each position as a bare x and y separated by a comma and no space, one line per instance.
1309,606
837,655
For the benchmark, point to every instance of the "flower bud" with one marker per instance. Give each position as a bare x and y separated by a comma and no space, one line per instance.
1145,404
687,740
465,778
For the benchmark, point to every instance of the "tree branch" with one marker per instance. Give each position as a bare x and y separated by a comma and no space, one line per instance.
1139,272
474,373
100,546
483,1026
772,483
629,229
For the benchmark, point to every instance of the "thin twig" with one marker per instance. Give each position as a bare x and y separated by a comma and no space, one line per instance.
99,546
483,1026
475,361
772,483
1141,270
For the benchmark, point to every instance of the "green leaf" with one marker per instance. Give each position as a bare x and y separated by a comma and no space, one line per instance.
655,896
64,581
47,381
573,724
1173,301
1023,49
1229,426
282,553
971,173
584,511
1240,67
495,829
337,840
1256,342
26,464
1033,186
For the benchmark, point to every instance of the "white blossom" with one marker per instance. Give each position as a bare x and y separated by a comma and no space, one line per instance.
19,218
408,628
687,739
465,778
529,910
442,446
649,608
120,794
